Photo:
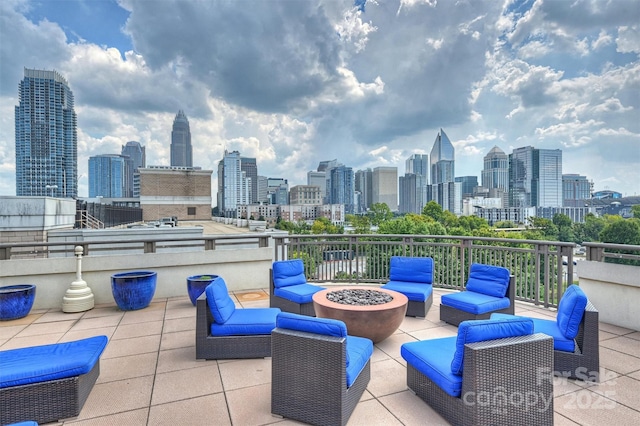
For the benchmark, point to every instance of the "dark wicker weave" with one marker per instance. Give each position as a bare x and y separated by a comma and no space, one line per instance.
584,363
308,378
419,309
513,374
456,316
287,305
225,347
49,401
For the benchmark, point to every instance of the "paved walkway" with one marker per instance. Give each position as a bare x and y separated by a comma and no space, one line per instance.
149,375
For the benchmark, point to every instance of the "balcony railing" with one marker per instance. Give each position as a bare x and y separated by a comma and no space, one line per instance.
542,269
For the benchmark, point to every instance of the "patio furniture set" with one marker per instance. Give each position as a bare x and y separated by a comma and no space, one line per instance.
320,371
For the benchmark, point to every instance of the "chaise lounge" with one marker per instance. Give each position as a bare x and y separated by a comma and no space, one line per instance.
50,382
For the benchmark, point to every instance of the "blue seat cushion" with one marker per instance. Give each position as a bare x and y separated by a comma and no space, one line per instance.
359,350
490,329
325,326
433,359
37,364
475,303
412,269
250,321
570,311
220,303
488,279
417,292
299,293
288,272
548,327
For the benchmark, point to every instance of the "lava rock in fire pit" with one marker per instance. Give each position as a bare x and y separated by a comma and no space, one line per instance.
359,297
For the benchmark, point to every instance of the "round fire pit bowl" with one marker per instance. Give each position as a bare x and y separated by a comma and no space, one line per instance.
375,322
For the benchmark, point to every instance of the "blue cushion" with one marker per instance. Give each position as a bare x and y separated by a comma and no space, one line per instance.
359,350
488,279
220,303
570,311
475,303
433,359
325,326
417,292
299,293
548,327
490,329
250,321
25,423
288,272
413,269
37,364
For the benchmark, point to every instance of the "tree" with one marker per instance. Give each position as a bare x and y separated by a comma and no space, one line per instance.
565,227
625,231
322,225
505,224
378,213
545,227
636,211
411,224
434,211
360,224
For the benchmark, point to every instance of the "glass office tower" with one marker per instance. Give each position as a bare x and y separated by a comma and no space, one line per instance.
181,151
46,136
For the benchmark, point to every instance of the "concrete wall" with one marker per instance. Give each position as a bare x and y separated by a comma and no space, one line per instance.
36,213
614,290
242,269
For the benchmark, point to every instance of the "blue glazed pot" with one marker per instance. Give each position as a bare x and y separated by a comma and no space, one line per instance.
196,285
16,301
133,290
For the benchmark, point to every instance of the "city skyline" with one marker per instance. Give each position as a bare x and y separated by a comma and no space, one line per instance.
369,84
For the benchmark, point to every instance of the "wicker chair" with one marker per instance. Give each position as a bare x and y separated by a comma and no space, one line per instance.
50,382
223,332
489,289
485,374
575,335
318,372
413,277
288,288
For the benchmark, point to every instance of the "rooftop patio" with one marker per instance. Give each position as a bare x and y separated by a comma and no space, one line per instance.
149,374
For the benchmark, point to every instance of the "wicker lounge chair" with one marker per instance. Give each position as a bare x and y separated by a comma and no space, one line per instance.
489,289
318,372
413,277
288,288
50,382
222,331
484,375
575,335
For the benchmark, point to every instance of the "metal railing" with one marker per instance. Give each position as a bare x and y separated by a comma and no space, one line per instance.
613,253
542,269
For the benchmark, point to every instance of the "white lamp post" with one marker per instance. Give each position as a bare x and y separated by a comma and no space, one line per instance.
51,187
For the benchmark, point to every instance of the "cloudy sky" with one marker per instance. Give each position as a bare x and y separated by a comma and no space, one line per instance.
370,83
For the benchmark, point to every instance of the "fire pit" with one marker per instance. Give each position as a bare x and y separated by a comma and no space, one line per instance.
370,312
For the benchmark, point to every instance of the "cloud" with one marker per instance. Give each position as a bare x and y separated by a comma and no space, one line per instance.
628,40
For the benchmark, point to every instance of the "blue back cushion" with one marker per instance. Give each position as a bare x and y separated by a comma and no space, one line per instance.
488,279
413,269
325,326
481,330
571,310
288,272
220,303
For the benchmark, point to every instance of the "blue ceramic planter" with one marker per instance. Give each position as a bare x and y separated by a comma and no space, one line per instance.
133,290
16,301
196,285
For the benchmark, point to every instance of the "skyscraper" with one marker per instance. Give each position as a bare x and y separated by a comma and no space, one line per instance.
107,176
442,160
413,185
495,175
340,187
363,184
385,186
46,136
535,177
233,186
181,152
250,168
135,158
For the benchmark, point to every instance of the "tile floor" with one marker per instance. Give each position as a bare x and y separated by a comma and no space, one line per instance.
149,375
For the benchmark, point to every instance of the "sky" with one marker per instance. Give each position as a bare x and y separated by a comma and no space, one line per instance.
368,83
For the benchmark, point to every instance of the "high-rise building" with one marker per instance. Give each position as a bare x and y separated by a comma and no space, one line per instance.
576,190
495,175
363,184
277,191
46,136
413,185
385,186
305,194
468,185
233,186
443,186
535,177
181,151
418,164
319,179
107,176
135,158
250,168
340,187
